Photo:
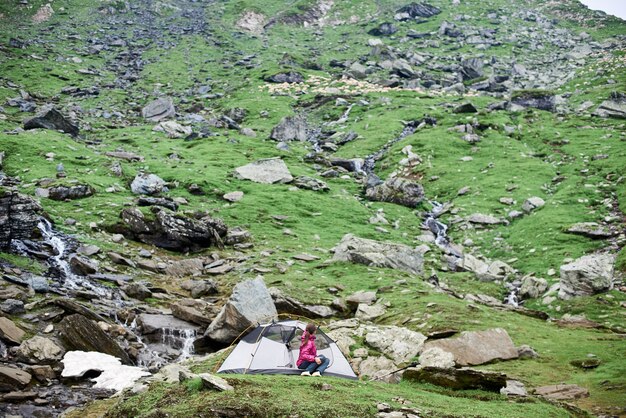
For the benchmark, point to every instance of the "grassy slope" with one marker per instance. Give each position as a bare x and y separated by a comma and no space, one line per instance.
529,160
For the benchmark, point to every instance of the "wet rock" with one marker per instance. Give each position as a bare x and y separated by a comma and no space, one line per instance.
171,231
50,118
591,230
212,382
480,347
397,343
19,216
113,374
82,265
310,183
249,303
158,323
288,305
267,171
457,378
288,77
149,184
190,314
532,203
562,392
159,109
12,378
138,291
352,165
587,275
9,332
379,254
291,128
80,333
173,129
396,190
78,191
39,350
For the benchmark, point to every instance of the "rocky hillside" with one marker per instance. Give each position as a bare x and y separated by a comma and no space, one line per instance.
440,185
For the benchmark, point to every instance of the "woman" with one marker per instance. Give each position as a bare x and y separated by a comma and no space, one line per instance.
308,359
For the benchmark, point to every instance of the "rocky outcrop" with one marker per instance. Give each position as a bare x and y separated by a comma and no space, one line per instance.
168,230
19,215
542,100
479,347
291,128
159,109
249,303
50,118
615,107
436,357
379,254
80,333
588,275
400,191
78,191
457,378
267,171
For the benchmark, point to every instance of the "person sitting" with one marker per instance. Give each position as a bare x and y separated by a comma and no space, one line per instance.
308,359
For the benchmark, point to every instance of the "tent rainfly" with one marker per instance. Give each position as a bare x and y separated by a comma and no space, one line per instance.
273,349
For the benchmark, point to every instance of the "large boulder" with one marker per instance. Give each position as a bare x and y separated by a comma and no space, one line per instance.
478,347
145,183
485,270
267,171
171,231
615,107
113,376
9,332
19,216
379,254
77,191
288,305
159,109
50,118
538,99
419,10
588,275
562,392
436,357
399,344
592,230
250,303
39,350
396,190
532,287
80,333
471,68
291,128
287,77
173,129
457,378
12,378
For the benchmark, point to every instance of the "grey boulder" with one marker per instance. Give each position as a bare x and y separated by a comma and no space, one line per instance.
266,171
396,190
145,183
290,128
587,275
50,118
159,109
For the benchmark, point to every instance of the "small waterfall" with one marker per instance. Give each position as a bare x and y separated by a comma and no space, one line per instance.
513,297
188,336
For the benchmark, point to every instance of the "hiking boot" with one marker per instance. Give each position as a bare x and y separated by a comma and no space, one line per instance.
316,374
308,374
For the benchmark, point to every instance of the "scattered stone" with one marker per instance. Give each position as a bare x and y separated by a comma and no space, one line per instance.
173,129
288,77
532,287
190,314
482,219
310,183
465,108
267,171
82,265
288,305
615,107
532,203
233,196
138,291
399,344
122,155
12,306
365,312
526,352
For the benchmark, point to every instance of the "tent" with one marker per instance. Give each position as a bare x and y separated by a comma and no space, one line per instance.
273,349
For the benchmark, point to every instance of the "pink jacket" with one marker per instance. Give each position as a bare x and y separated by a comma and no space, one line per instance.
308,351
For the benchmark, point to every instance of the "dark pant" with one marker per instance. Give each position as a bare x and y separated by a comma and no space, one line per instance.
312,366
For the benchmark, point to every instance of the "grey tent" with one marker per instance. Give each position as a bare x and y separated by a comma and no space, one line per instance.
273,349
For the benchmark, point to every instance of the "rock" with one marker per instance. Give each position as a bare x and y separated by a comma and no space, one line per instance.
12,378
190,314
526,352
588,363
591,230
287,305
19,216
171,231
514,388
120,259
482,219
615,107
542,100
185,267
80,333
145,183
114,376
379,254
384,29
353,165
43,373
138,291
402,68
157,324
532,287
457,378
159,109
78,191
419,10
12,306
532,203
165,202
172,373
357,70
472,68
249,303
128,156
480,347
233,196
199,288
376,367
465,108
360,298
252,22
291,128
399,344
436,357
9,332
82,265
587,275
310,183
562,392
267,171
212,382
39,350
173,129
88,250
237,236
288,77
396,190
365,312
50,118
